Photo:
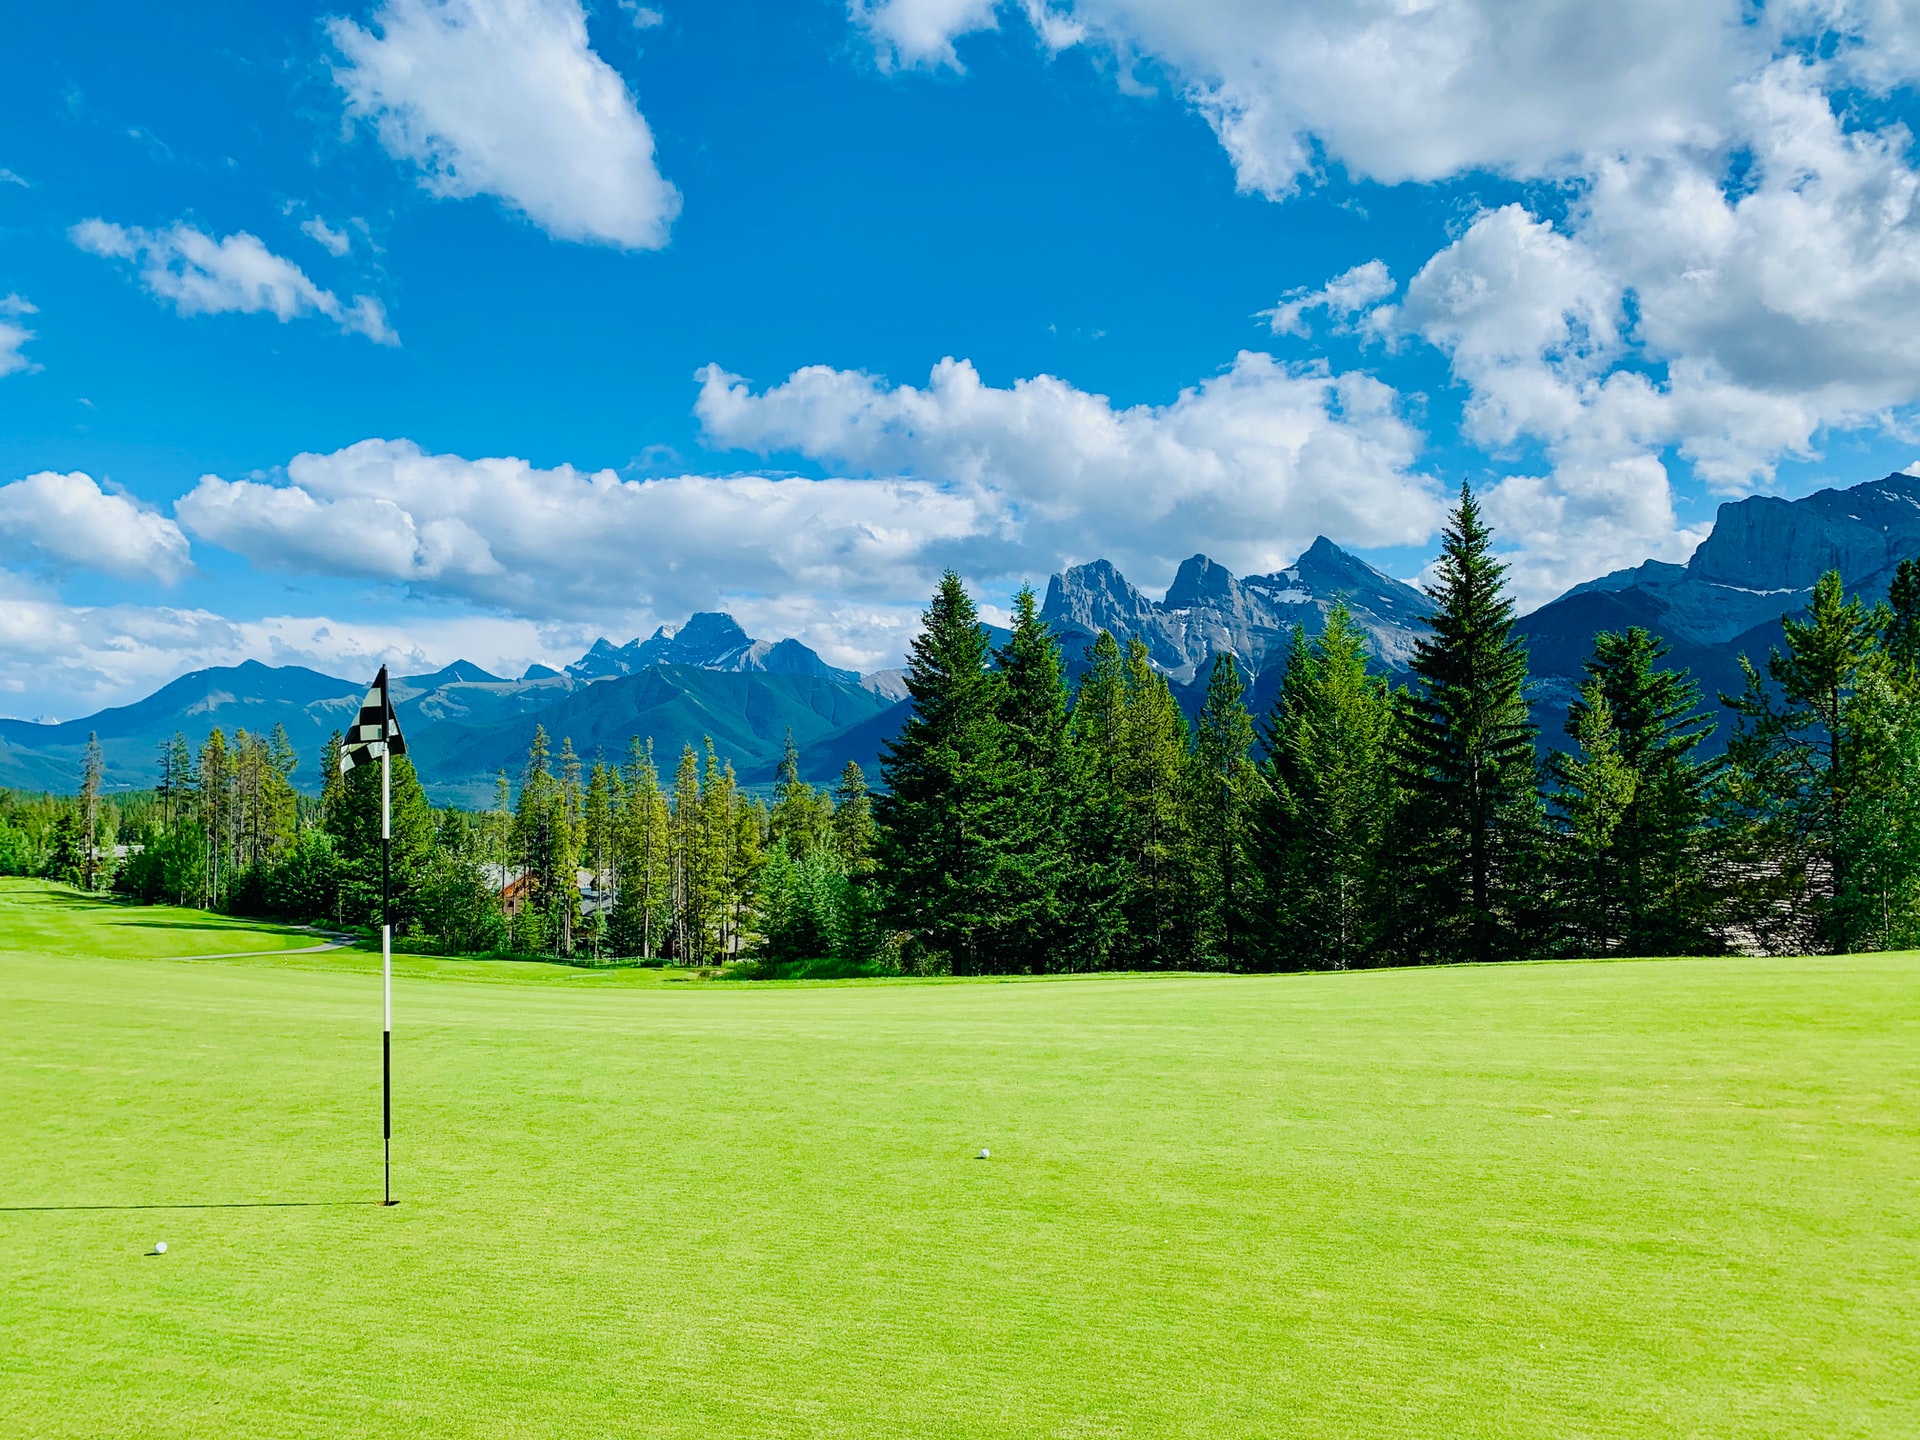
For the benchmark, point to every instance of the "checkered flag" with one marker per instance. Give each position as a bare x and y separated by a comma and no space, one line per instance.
376,732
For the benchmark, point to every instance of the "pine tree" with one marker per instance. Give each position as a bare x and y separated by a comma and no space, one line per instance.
644,867
1878,905
598,824
1794,762
93,769
1465,758
802,817
1153,753
544,849
853,820
1098,874
1321,823
1033,712
944,819
687,858
1636,877
215,816
1221,786
1901,635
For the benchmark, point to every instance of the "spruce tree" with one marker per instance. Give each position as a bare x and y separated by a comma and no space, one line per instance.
353,821
1034,714
687,861
1320,827
1799,766
1220,790
944,818
801,819
545,849
1901,633
1097,874
1636,877
641,856
1464,757
92,771
853,820
1153,753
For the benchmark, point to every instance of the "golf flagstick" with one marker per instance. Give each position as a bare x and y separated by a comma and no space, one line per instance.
376,732
386,963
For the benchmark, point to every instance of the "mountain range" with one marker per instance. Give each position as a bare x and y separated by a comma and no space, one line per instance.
708,677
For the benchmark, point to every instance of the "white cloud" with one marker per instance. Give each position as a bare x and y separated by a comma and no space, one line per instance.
69,522
1249,465
1003,484
1392,91
70,660
563,544
14,335
204,276
508,98
334,242
1342,298
644,17
1738,269
916,33
1731,317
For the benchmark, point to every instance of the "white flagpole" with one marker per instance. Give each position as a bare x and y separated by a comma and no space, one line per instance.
386,957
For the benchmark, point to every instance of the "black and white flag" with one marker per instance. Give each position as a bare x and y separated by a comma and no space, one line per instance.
376,732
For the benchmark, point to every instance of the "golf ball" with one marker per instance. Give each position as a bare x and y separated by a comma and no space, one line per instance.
159,1247
984,1152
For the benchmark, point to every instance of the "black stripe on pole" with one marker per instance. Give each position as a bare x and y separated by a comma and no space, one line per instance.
386,1105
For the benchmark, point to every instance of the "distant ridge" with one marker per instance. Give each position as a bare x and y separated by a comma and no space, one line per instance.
710,640
708,677
1759,563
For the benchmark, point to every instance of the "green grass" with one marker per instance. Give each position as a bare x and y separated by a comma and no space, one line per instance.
1662,1199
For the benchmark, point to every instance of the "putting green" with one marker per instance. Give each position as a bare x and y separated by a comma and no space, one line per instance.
1643,1199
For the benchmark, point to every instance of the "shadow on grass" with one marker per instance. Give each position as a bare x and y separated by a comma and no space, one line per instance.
203,1205
76,898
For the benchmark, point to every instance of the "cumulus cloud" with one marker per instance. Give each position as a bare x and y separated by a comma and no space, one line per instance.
507,98
1341,298
1389,90
1004,484
67,522
14,335
204,276
1726,268
1249,465
1674,310
560,543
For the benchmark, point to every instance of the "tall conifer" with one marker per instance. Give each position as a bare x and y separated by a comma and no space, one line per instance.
1221,785
944,820
1034,713
1634,876
1153,754
1465,759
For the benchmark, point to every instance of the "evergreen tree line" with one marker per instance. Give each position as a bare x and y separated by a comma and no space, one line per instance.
1025,828
1027,825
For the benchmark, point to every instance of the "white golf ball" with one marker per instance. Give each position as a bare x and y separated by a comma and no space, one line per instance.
159,1247
984,1152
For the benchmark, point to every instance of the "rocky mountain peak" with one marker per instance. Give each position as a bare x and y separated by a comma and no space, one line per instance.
1201,582
1208,610
708,640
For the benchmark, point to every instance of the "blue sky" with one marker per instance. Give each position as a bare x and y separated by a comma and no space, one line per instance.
428,328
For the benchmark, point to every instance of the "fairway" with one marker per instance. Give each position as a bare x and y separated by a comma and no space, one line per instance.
1674,1198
